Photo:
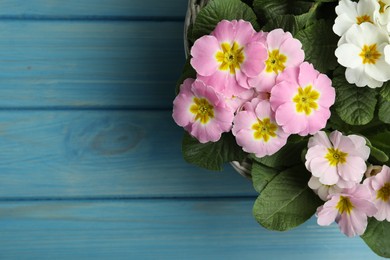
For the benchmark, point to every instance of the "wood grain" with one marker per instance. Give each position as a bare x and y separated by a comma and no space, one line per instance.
59,154
161,229
89,63
93,8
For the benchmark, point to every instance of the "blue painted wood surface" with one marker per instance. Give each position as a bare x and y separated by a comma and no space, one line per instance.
91,165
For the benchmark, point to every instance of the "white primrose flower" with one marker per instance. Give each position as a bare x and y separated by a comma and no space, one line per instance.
382,14
363,54
350,13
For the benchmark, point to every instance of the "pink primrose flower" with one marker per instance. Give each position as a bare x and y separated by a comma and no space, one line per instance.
349,209
283,52
256,131
301,99
337,160
228,57
380,187
202,111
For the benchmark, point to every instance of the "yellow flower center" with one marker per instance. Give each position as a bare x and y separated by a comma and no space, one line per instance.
202,109
275,62
344,205
335,156
384,192
363,19
305,100
369,54
264,129
230,57
381,7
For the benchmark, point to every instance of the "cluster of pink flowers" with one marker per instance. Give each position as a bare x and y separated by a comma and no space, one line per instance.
338,166
255,84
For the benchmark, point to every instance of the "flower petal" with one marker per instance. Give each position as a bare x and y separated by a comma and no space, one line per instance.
203,54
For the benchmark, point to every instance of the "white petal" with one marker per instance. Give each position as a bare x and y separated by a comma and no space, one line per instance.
379,71
348,55
387,53
366,7
360,78
347,6
342,23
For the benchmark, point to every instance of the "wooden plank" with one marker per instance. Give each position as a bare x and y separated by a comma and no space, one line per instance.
88,8
89,64
102,154
161,229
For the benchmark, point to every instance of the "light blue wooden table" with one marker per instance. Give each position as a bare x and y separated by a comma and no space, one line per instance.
91,166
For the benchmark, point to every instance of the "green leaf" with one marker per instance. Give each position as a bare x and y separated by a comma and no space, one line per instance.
288,156
269,9
188,72
385,91
287,201
354,105
384,110
380,139
319,43
262,175
288,22
212,155
379,155
336,123
384,103
377,237
217,10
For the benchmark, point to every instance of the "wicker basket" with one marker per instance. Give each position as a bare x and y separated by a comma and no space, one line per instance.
244,167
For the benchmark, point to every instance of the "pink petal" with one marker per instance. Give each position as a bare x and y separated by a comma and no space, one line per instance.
255,56
307,74
182,103
361,149
276,37
353,224
264,82
316,121
260,37
320,138
290,75
209,132
365,206
326,215
181,110
282,93
244,32
327,92
314,152
292,48
224,118
242,80
243,120
203,55
223,82
353,169
225,31
383,209
246,140
321,168
263,110
291,122
335,137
